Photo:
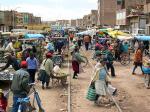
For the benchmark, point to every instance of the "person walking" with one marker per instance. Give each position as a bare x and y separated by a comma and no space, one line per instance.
109,64
100,81
46,70
76,61
32,66
20,85
87,41
138,58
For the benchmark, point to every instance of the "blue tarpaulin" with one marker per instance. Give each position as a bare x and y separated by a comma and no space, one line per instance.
27,36
143,38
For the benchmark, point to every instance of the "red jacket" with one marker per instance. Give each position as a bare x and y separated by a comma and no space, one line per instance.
3,103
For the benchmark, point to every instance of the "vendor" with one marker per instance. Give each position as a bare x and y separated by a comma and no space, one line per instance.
10,47
11,60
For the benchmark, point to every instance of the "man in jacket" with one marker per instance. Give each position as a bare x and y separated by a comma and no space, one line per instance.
87,41
20,85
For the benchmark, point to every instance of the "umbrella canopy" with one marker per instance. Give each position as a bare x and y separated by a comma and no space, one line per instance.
143,38
88,32
34,36
117,33
120,37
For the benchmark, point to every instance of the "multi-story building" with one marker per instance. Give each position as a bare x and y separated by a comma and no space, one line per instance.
7,20
125,4
85,21
79,23
19,20
63,23
147,12
25,18
107,12
37,20
2,21
72,23
130,15
94,17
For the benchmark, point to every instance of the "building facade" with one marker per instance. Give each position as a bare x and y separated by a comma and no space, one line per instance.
94,17
147,13
79,23
107,12
7,20
72,23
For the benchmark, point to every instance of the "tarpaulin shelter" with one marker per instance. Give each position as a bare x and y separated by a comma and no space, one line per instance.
143,38
120,35
87,32
27,36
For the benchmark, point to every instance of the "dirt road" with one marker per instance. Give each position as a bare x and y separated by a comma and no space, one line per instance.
132,94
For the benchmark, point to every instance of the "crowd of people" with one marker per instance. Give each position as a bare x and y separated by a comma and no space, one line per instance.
106,52
27,66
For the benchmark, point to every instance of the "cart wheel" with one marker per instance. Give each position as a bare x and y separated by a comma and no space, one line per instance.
63,81
125,60
147,81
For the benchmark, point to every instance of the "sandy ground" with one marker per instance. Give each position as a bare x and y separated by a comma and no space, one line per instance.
132,94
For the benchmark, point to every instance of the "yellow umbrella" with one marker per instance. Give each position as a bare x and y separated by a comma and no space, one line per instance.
116,33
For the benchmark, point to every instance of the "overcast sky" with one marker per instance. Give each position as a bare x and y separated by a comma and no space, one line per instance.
51,9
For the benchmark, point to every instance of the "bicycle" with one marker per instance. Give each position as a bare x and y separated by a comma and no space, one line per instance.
26,106
146,52
125,59
57,59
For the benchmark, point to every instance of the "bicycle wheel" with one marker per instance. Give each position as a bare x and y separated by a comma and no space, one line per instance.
39,102
57,60
85,60
145,53
147,81
125,60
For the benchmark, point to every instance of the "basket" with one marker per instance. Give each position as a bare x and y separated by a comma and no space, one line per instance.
91,94
146,70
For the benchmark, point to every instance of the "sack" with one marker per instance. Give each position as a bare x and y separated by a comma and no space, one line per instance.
91,95
111,89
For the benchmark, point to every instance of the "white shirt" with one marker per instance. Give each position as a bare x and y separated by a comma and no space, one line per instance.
10,47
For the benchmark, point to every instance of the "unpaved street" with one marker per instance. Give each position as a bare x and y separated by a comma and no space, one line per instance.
132,94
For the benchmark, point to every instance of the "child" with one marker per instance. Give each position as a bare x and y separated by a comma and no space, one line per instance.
3,102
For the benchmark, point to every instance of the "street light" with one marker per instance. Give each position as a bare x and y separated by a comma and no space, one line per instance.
14,16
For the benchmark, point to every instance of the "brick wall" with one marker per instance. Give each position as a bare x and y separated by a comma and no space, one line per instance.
107,12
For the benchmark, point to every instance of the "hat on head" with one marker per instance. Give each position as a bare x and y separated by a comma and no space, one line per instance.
49,55
23,64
